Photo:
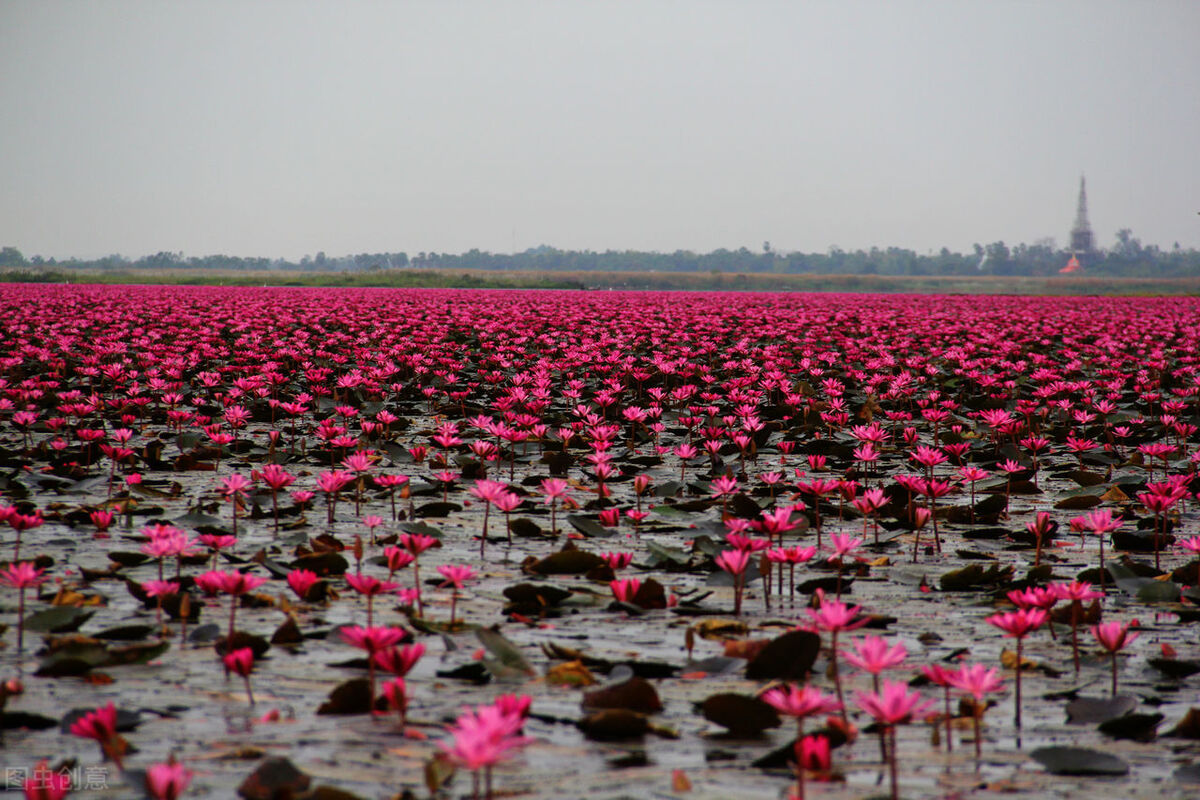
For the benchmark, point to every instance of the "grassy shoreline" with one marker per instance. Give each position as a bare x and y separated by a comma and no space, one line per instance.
680,281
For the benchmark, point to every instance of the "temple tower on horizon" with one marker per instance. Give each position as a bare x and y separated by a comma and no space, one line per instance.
1082,241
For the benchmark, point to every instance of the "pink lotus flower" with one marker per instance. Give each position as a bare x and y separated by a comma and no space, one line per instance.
417,543
396,693
241,662
813,753
489,492
617,561
21,576
301,581
102,520
513,705
368,585
977,681
101,725
399,660
800,701
873,654
1019,624
372,639
397,559
484,737
456,576
1114,637
239,583
625,589
735,562
160,588
893,705
778,522
46,784
167,781
834,615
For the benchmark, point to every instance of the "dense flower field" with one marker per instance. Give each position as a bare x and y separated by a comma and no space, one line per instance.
380,543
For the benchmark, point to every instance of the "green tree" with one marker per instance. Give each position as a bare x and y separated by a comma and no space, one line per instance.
11,257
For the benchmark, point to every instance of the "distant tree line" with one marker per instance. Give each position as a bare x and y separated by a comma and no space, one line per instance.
1128,257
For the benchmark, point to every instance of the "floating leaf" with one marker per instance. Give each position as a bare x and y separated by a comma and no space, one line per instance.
23,720
1138,727
438,770
330,793
650,595
590,527
287,633
1008,660
1189,773
326,562
1092,710
241,639
1141,541
422,528
474,672
1078,761
139,653
1188,727
527,528
742,715
788,657
746,649
64,666
508,654
667,557
128,559
1159,592
274,778
436,509
1114,495
975,576
536,596
58,619
1177,668
568,561
349,697
720,628
635,694
614,724
1078,502
571,673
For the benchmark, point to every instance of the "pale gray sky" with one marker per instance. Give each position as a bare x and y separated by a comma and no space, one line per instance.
283,128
